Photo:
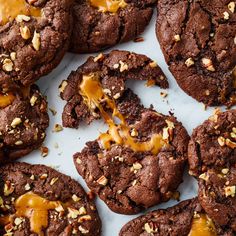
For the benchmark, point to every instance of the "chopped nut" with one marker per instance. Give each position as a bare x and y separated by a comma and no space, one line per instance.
116,96
36,41
43,176
7,65
82,211
44,151
177,38
8,188
83,230
33,100
189,62
99,57
230,143
75,198
63,86
149,228
27,187
53,181
19,142
134,133
84,218
137,166
230,191
18,221
53,111
13,56
25,32
102,180
123,66
153,64
57,128
78,161
16,122
204,176
207,63
221,141
226,15
73,213
163,94
59,208
225,171
231,6
21,18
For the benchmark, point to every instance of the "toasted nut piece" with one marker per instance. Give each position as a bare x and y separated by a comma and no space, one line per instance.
231,6
7,65
230,191
16,122
102,180
207,63
189,62
177,38
36,41
21,18
221,141
25,32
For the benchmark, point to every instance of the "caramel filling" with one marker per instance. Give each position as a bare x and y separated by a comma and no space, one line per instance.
35,208
6,99
93,95
202,226
108,5
10,9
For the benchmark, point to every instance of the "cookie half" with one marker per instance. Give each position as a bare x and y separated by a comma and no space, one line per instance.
33,39
24,119
111,70
37,200
185,219
102,24
217,195
199,44
213,144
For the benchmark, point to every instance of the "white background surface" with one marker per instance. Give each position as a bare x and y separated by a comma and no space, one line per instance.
187,110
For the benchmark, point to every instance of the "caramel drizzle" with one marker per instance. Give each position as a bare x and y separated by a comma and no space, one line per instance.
92,93
108,5
202,226
35,208
10,9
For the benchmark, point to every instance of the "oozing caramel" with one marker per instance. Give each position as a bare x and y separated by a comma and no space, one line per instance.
202,226
6,99
92,93
108,5
35,208
10,9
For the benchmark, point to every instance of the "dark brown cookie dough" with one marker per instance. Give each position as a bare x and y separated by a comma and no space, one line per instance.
185,219
114,69
198,39
213,144
37,200
129,180
217,195
24,120
96,29
34,36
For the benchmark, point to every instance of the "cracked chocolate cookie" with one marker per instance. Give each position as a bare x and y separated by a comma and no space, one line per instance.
139,161
34,36
24,120
217,195
198,39
37,200
102,24
110,71
185,219
213,144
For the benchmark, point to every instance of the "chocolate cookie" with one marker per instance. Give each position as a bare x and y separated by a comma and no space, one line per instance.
217,195
139,162
102,24
34,37
213,144
24,120
185,219
37,200
111,71
199,43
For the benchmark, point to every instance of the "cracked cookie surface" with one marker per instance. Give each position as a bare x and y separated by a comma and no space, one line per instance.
186,219
114,69
198,39
213,143
127,180
24,120
38,200
217,195
33,40
95,30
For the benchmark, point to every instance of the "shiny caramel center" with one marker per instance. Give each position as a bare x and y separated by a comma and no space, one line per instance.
202,226
10,9
35,208
108,5
6,99
92,93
